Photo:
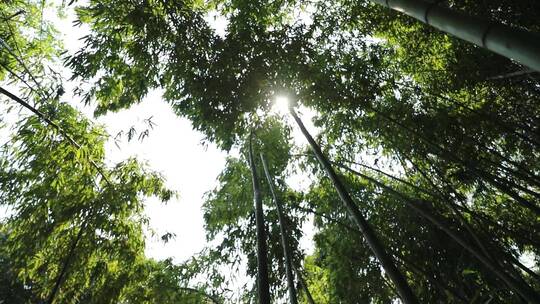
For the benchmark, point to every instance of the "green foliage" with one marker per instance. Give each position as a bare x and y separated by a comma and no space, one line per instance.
163,282
57,199
12,289
434,123
212,80
28,42
317,281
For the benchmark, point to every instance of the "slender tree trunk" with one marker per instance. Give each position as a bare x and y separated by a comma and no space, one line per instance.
65,267
522,46
305,288
263,285
373,241
283,230
503,185
518,285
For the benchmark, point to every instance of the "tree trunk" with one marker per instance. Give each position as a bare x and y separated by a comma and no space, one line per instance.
373,241
305,288
67,262
519,45
505,186
518,285
283,230
263,286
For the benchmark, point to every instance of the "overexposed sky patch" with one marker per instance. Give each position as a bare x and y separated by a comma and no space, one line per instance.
174,149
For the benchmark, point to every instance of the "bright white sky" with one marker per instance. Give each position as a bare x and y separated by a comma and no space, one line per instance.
174,149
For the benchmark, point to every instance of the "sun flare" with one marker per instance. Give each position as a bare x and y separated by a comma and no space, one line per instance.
281,105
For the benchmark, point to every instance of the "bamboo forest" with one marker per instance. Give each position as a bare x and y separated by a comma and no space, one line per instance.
329,152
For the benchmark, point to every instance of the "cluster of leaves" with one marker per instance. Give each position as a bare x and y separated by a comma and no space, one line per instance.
210,79
68,221
28,44
72,228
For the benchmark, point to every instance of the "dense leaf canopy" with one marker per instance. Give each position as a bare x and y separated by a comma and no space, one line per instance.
434,139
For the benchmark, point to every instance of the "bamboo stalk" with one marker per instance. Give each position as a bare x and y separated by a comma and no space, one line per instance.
283,231
521,46
402,287
263,285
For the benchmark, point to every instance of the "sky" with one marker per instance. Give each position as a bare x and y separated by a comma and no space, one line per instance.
175,150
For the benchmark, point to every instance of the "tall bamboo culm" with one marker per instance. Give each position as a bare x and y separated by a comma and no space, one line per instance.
402,287
263,285
283,231
521,46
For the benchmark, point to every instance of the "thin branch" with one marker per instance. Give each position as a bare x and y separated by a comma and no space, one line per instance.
56,126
